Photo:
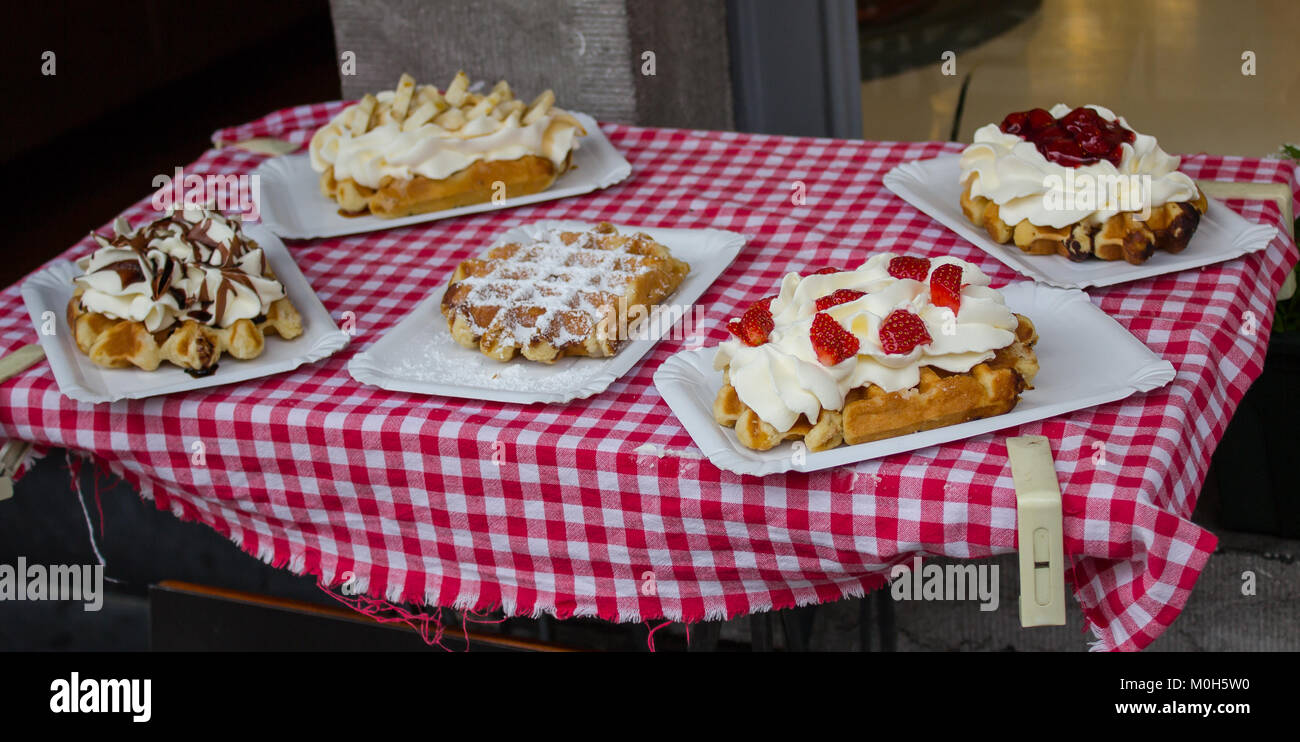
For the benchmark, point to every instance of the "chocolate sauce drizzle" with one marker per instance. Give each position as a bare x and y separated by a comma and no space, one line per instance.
161,270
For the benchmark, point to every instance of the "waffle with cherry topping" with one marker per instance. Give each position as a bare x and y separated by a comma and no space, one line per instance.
1084,137
1123,236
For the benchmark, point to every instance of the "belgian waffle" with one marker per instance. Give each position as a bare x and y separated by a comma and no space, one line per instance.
1122,236
454,118
869,414
564,293
117,343
192,280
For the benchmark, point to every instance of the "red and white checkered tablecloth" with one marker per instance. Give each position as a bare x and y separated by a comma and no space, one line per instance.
315,472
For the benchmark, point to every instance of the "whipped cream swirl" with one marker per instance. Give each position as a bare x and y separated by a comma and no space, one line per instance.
783,379
390,151
191,265
1011,172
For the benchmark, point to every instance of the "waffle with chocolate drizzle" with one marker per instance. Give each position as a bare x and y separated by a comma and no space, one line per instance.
186,289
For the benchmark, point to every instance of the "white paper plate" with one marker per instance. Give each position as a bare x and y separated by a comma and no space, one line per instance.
933,187
293,207
418,354
78,378
1085,359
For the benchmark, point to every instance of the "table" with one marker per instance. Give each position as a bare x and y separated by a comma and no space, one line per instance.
319,474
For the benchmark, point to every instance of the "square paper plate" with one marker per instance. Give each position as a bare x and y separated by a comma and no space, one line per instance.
293,207
932,186
78,378
418,354
1085,359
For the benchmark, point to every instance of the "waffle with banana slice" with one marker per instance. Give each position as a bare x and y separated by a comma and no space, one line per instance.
415,149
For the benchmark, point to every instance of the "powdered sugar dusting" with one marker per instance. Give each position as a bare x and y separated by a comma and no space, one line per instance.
547,289
418,355
435,357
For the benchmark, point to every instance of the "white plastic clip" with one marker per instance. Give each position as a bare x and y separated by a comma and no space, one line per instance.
1279,193
1038,511
11,456
263,146
13,452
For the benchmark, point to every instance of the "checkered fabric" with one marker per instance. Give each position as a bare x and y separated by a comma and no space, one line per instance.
316,472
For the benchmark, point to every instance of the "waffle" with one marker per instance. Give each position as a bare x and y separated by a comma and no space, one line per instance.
1122,236
169,263
562,294
116,343
871,414
455,118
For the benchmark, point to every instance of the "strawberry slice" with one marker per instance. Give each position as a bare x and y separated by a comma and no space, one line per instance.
902,331
945,286
755,324
905,266
832,343
825,271
837,297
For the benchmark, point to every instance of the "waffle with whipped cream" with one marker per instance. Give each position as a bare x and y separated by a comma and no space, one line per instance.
559,293
1078,183
416,149
899,345
186,289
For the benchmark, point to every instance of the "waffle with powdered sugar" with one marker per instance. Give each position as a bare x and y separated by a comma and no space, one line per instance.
560,293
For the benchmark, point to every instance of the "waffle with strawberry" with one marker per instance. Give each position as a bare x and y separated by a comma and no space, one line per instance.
899,345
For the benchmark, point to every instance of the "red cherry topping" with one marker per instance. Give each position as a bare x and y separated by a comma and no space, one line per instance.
1080,137
902,331
1039,118
1015,123
832,343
